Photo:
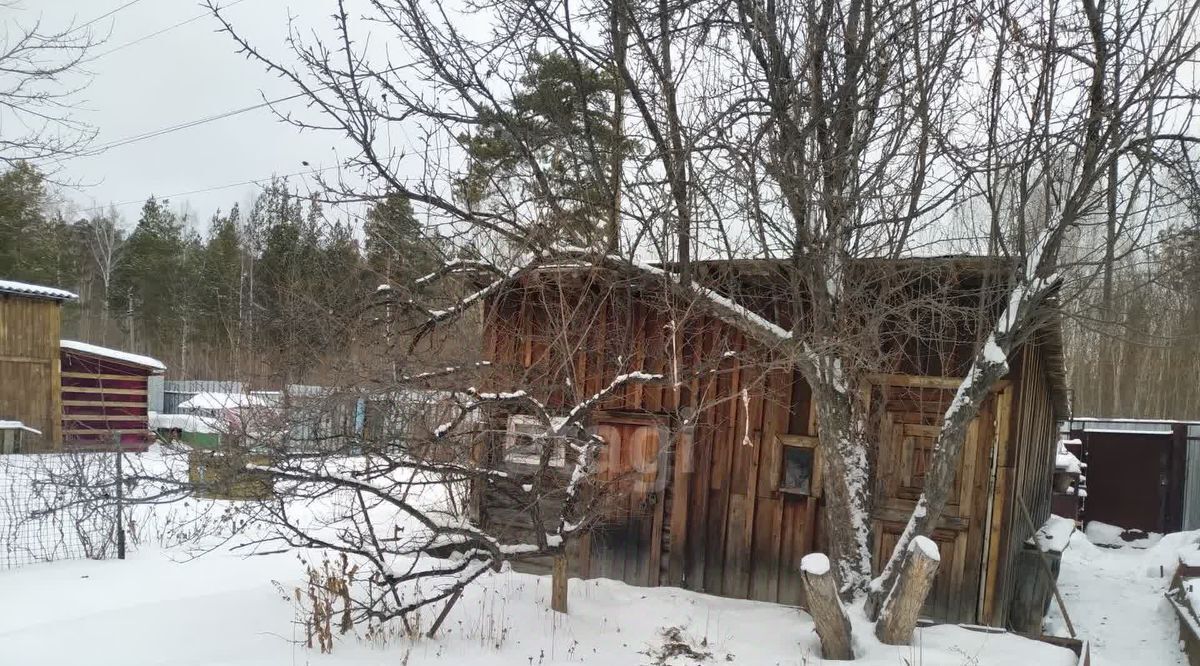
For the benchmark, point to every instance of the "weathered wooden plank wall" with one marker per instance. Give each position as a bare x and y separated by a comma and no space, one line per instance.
735,534
1025,467
29,364
728,529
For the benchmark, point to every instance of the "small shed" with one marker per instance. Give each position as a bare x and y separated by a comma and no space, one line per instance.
16,437
30,321
1142,474
104,396
734,510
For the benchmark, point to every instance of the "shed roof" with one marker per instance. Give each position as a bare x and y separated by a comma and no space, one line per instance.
17,425
36,291
213,400
114,355
1048,335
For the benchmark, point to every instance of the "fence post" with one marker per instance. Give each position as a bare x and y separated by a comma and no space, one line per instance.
120,497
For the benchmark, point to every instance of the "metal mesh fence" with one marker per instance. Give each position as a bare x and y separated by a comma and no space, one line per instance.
56,507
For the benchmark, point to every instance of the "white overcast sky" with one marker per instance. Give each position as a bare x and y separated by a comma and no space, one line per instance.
186,73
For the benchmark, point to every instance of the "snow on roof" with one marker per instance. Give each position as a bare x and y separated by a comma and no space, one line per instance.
17,425
36,291
210,400
1054,535
114,354
1065,461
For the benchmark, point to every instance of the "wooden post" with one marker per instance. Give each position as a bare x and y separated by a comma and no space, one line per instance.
825,607
120,496
900,610
558,583
445,611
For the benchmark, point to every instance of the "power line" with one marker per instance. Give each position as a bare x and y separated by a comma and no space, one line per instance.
207,119
107,14
185,125
215,188
156,33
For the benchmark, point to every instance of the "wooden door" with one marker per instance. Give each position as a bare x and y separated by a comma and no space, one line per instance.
627,543
906,448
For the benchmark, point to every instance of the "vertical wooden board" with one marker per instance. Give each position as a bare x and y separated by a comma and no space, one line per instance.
596,340
760,387
791,588
955,588
526,337
776,415
635,390
714,545
1000,497
736,580
759,390
976,534
718,522
765,549
801,400
744,449
813,539
726,386
598,562
56,408
633,550
652,393
653,524
616,342
699,497
681,492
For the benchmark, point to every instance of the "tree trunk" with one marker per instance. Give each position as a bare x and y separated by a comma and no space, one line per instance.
558,583
844,447
825,607
902,607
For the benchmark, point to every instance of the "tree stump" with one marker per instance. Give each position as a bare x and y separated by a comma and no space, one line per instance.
825,607
558,583
898,617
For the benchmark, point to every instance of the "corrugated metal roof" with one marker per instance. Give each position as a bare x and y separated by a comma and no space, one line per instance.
35,291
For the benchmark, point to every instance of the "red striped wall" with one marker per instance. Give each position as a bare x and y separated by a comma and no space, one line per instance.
103,399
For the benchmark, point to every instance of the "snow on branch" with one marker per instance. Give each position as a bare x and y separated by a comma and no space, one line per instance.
616,383
456,266
443,372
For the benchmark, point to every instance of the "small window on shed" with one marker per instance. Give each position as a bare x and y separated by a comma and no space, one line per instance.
525,439
801,465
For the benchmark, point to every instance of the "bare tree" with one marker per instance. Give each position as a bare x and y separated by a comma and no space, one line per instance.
821,134
103,241
41,74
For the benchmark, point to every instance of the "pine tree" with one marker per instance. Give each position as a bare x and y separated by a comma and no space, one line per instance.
219,285
398,251
36,245
564,113
151,283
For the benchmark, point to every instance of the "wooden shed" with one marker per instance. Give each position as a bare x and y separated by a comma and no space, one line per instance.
1142,474
30,321
722,480
104,396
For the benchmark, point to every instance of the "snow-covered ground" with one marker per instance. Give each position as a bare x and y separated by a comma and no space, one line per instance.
1115,596
169,605
223,609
